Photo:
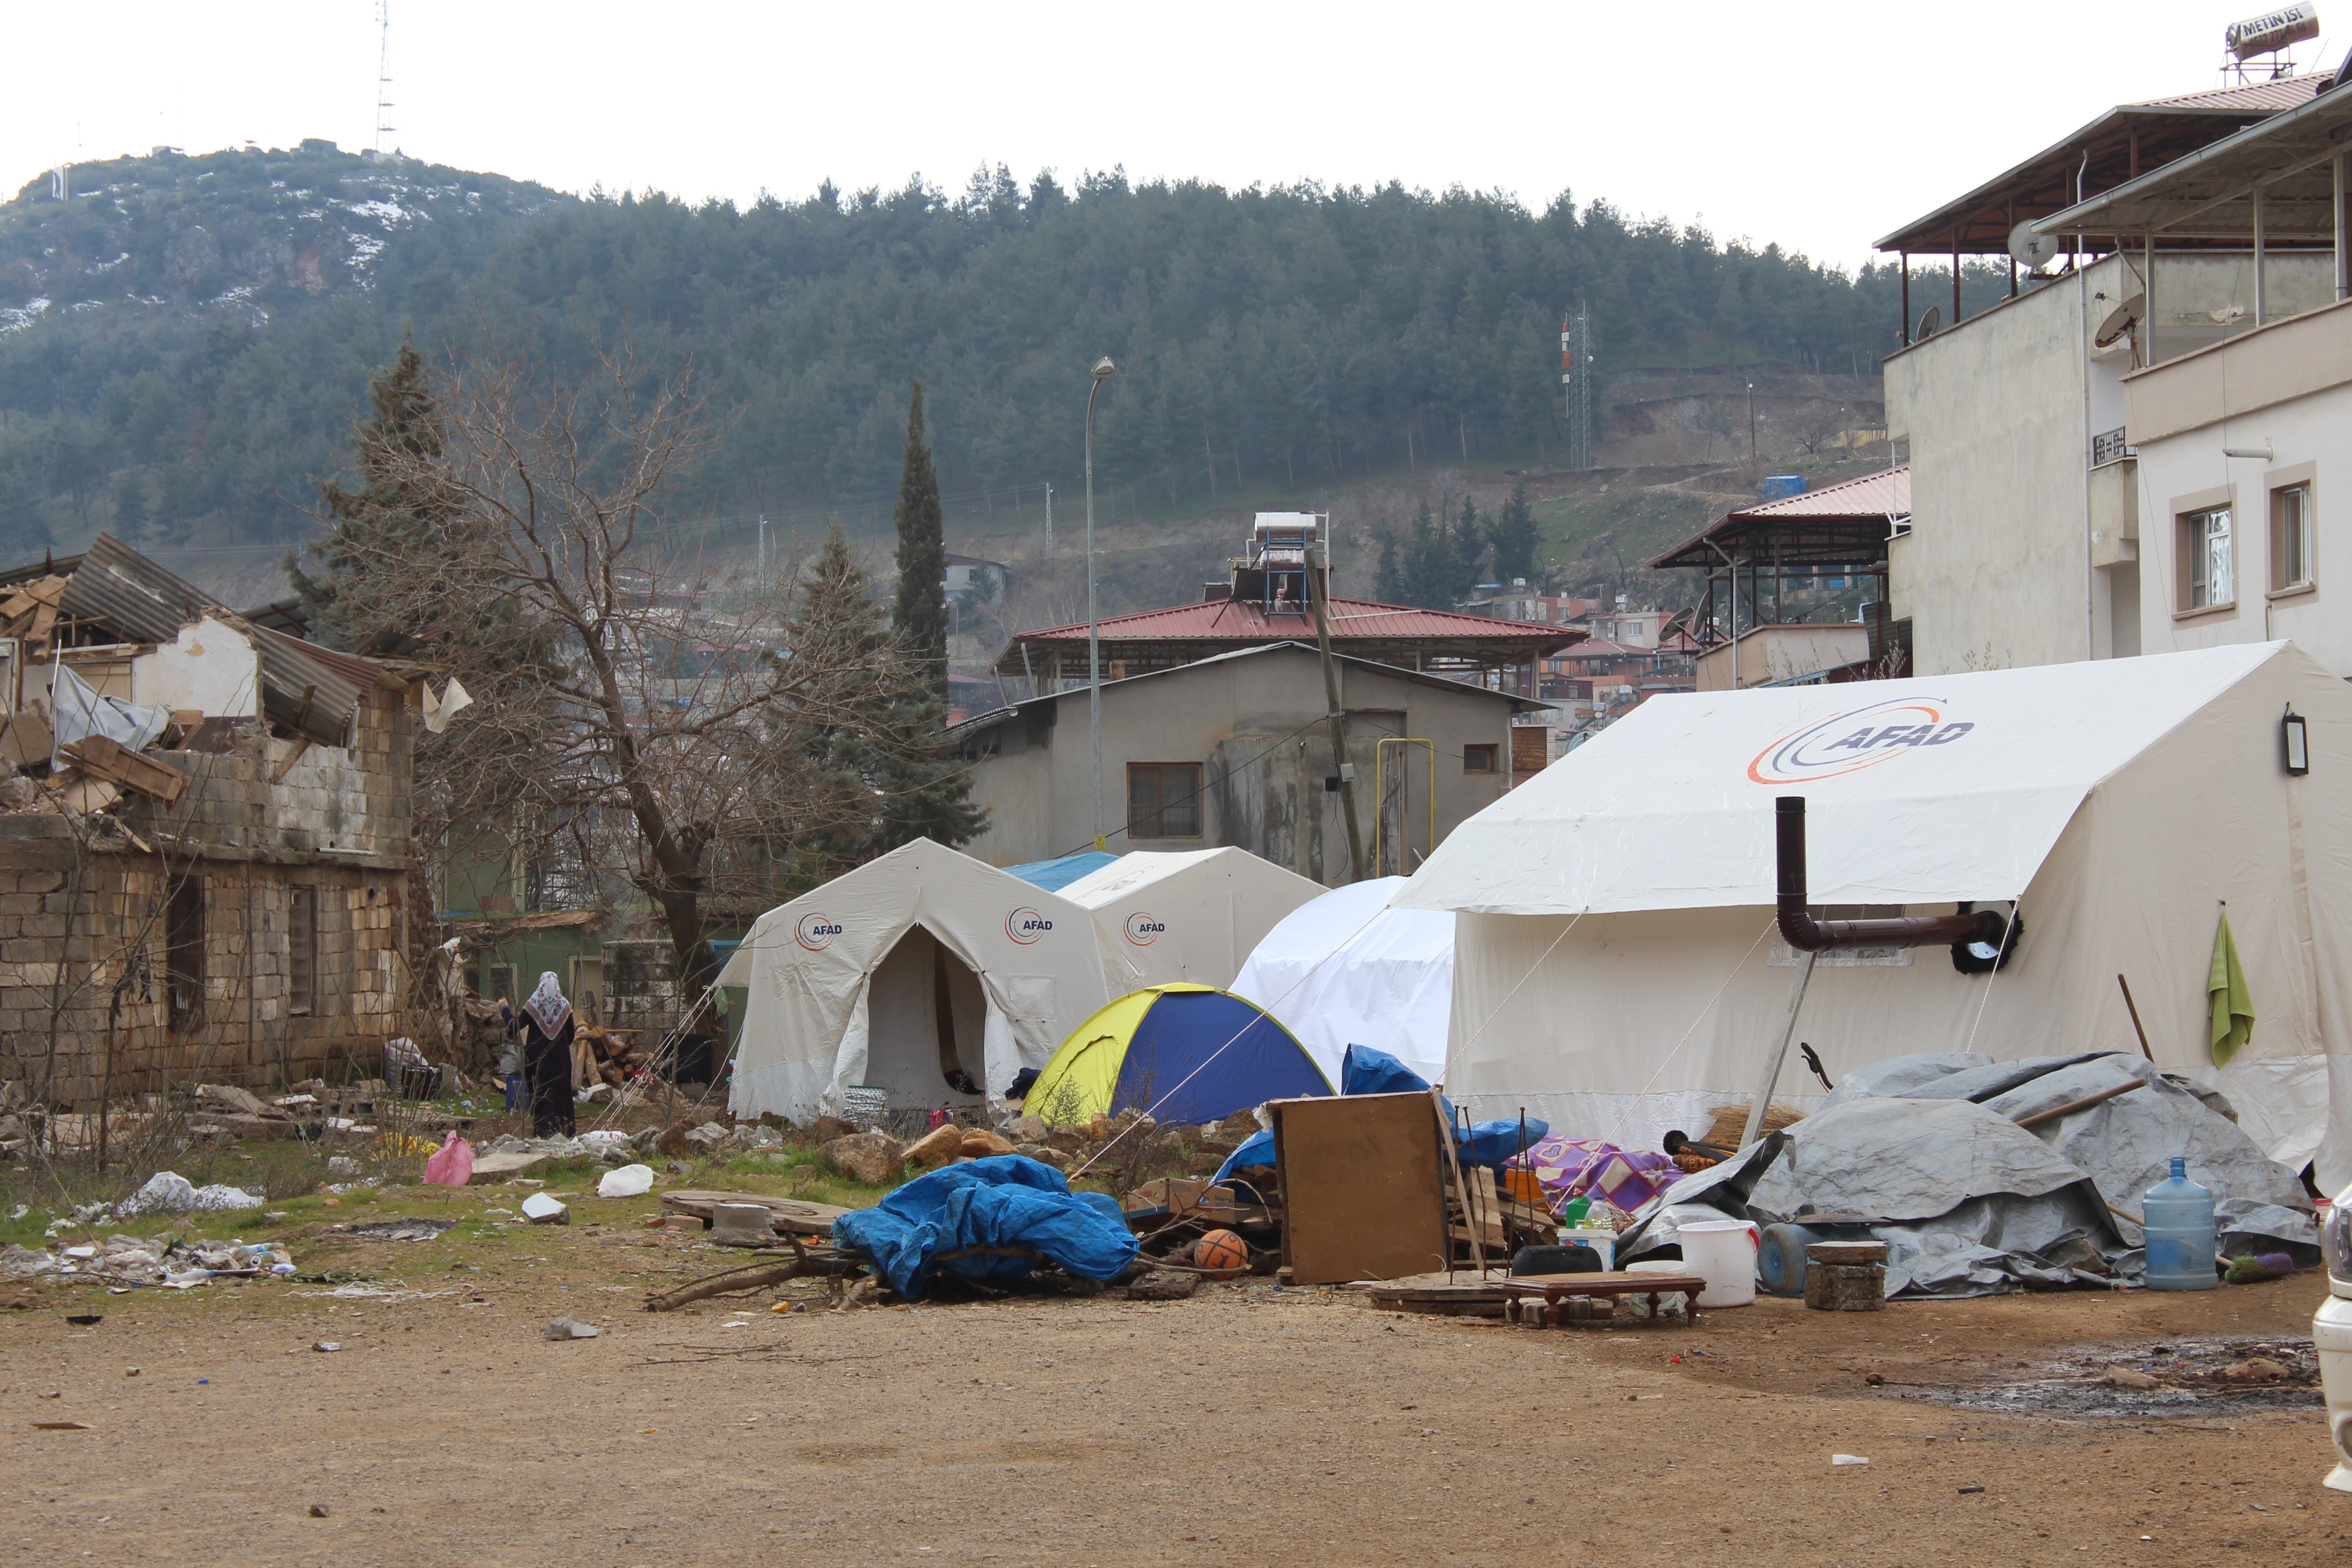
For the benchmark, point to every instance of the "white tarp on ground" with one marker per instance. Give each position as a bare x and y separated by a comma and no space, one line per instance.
1617,971
1347,970
1191,915
850,984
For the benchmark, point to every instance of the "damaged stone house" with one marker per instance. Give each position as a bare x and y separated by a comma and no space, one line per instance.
206,871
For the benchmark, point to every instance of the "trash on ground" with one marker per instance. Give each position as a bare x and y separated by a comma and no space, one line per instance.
627,1182
168,1192
568,1329
1848,1459
396,1229
540,1209
452,1165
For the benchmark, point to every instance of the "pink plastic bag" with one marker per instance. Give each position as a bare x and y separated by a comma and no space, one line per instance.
452,1165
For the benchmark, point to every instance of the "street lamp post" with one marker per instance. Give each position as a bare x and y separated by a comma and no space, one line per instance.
1103,372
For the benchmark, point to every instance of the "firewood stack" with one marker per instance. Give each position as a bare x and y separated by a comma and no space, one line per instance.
609,1055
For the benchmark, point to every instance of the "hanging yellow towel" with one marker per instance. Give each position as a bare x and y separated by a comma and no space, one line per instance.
2232,1004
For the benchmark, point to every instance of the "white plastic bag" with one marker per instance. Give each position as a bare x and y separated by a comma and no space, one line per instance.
628,1182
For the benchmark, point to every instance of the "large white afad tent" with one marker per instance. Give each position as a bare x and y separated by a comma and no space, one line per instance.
1349,970
1192,915
1617,970
924,972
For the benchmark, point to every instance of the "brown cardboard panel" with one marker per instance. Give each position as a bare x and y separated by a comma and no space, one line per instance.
1362,1191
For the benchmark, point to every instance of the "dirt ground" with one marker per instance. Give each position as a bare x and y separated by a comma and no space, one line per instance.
1244,1426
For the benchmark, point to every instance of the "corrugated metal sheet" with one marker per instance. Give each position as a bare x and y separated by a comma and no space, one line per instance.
305,689
2286,92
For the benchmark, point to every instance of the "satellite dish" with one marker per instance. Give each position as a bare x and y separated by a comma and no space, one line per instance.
1930,323
2123,319
2034,250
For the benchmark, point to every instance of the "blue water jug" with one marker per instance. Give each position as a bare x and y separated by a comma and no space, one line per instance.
2179,1233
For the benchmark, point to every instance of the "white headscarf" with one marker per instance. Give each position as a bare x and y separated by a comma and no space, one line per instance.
547,1005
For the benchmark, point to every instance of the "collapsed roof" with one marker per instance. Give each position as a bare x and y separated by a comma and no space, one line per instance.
114,593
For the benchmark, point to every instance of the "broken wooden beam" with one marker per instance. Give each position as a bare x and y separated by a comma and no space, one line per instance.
109,759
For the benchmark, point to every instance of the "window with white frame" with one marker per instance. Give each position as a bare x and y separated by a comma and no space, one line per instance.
2291,538
2208,578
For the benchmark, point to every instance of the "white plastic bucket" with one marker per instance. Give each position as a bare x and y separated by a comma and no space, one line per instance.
1723,1253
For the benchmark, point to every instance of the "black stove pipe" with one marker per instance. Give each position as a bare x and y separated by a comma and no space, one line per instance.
1806,934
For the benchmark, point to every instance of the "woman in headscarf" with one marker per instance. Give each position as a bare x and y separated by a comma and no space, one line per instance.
547,1054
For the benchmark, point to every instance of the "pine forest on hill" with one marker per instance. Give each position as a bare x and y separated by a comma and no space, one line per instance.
184,341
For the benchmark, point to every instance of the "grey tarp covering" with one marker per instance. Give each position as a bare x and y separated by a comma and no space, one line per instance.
1968,1202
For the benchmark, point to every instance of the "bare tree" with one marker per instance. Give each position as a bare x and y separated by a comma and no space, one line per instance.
664,731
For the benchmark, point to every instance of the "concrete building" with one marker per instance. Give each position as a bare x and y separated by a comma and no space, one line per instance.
1234,749
245,908
2029,507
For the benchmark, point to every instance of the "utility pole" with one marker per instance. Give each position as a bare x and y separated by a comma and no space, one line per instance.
1049,520
763,548
1751,421
1319,561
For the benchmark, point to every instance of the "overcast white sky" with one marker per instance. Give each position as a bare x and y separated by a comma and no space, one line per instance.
1818,125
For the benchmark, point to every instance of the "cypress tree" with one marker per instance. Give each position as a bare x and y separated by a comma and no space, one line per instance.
1514,537
920,616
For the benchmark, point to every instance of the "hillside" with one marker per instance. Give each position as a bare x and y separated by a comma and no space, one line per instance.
186,339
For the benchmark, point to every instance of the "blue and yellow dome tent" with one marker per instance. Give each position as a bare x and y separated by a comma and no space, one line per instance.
1187,1053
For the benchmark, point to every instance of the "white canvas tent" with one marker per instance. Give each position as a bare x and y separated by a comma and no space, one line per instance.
1617,970
1192,915
919,972
1348,970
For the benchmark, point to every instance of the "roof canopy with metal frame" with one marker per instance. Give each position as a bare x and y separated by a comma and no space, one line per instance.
2280,182
1841,527
1438,640
2119,146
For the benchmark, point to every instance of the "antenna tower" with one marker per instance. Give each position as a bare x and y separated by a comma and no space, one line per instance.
1576,375
382,74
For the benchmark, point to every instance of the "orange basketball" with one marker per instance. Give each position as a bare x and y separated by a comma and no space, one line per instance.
1220,1255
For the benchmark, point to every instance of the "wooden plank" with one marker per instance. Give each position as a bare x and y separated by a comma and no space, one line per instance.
1361,1187
118,764
795,1216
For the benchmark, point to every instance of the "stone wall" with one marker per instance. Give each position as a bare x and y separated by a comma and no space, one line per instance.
86,996
87,923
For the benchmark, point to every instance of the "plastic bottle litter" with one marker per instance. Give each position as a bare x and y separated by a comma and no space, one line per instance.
2180,1225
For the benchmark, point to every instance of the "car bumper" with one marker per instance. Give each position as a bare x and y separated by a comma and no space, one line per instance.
2331,1333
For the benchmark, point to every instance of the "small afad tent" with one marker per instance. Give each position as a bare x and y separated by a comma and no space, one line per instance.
923,980
1185,1054
1191,915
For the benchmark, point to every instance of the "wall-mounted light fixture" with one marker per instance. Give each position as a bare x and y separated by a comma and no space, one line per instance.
2297,743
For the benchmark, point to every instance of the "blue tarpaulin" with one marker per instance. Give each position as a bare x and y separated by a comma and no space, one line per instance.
1008,1201
1059,873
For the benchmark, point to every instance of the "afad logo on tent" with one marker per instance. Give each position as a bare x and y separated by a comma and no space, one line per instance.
1025,925
1857,739
1143,930
816,932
